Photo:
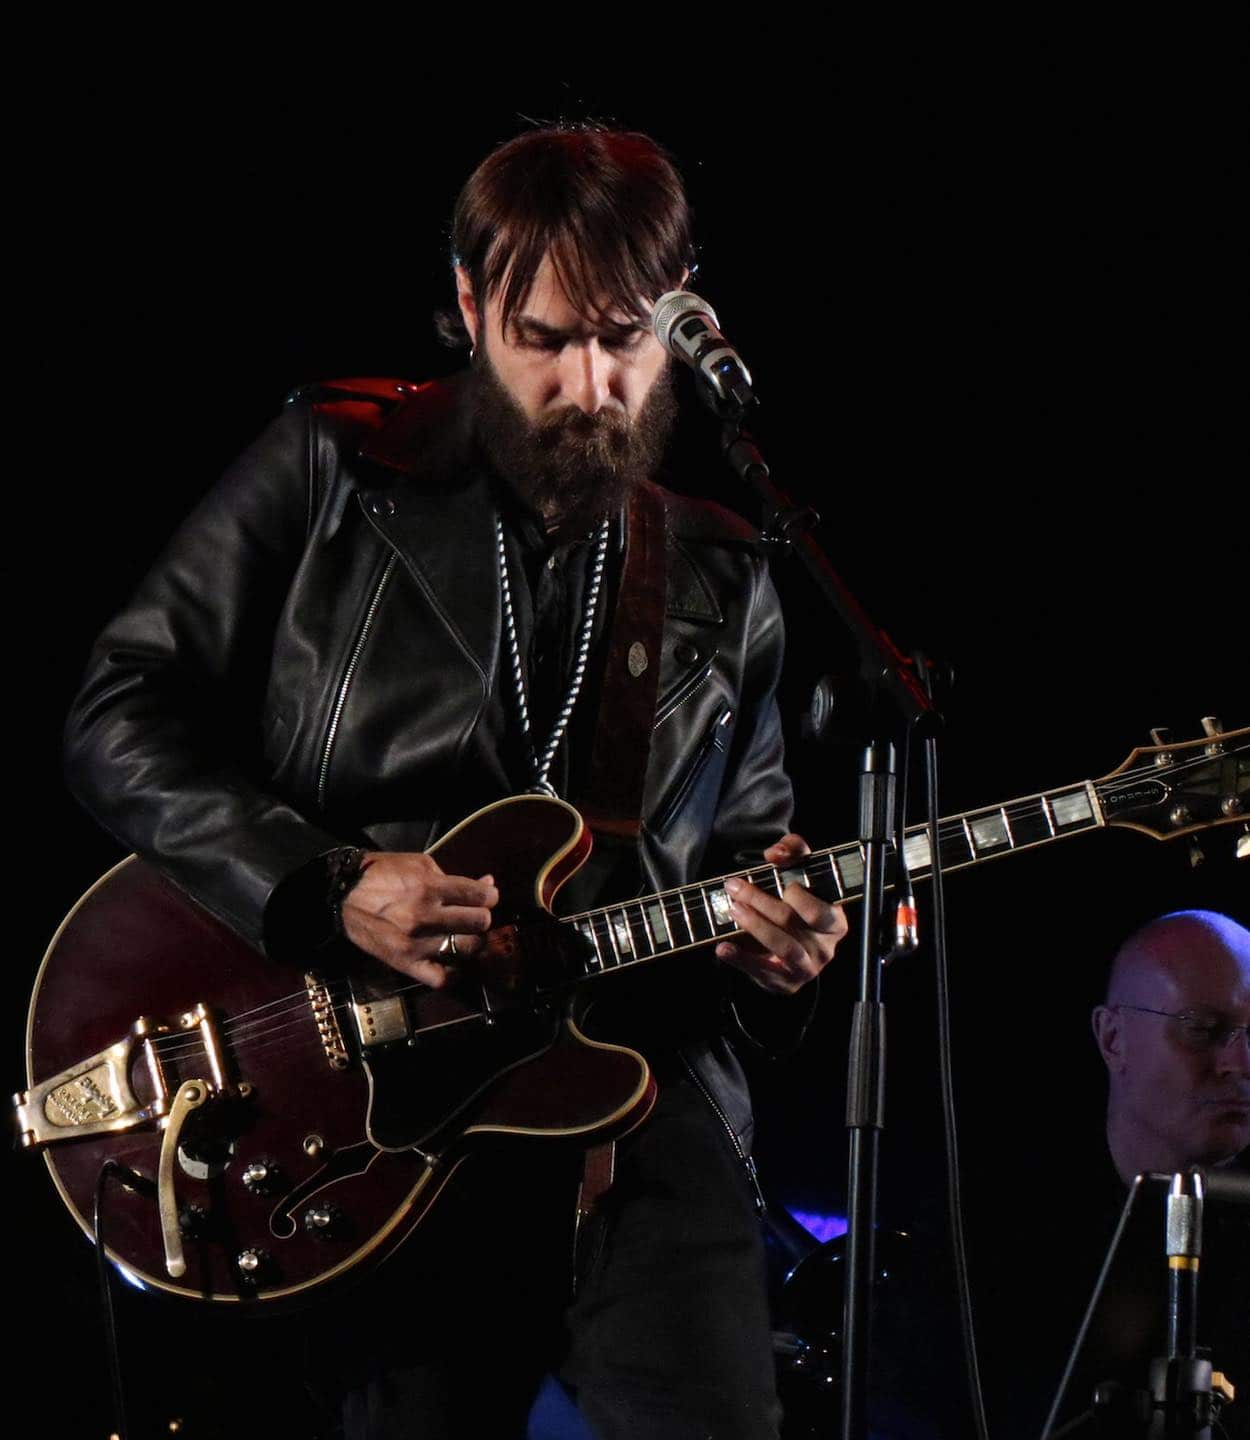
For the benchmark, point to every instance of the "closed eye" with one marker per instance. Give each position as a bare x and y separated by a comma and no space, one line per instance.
623,342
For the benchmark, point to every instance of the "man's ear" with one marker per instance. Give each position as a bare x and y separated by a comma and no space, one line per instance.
1109,1035
468,305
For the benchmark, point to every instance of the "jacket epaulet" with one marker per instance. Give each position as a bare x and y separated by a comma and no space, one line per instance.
377,390
691,519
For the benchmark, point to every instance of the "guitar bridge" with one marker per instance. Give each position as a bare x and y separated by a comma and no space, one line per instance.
327,1021
97,1096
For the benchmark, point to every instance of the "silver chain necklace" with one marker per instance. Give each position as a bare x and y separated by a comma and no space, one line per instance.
540,765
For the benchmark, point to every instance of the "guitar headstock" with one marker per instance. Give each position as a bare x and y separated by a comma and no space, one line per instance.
1173,788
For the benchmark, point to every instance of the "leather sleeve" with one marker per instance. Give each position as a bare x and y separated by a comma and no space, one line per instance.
163,742
756,800
756,807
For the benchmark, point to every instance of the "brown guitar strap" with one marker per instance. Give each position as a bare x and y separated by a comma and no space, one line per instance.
597,1174
612,800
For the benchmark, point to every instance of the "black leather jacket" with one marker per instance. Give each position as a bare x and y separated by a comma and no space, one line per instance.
305,663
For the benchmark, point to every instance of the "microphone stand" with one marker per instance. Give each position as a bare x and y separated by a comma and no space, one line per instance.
894,692
1184,1395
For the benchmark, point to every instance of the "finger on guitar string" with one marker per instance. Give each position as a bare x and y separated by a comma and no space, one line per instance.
786,940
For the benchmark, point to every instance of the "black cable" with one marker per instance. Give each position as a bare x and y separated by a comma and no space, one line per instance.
953,1196
125,1174
1087,1318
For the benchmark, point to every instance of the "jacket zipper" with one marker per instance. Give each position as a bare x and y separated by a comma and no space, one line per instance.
712,742
684,690
345,684
746,1161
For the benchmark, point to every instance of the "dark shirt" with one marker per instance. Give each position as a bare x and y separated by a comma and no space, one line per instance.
549,585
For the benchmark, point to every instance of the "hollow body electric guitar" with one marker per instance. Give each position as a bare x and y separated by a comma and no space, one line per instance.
271,1137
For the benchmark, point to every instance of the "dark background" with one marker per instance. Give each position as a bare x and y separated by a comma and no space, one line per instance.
992,290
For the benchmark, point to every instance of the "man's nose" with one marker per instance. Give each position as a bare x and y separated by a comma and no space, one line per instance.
585,377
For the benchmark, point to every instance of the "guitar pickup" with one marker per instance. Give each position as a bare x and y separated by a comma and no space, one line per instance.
381,1021
97,1096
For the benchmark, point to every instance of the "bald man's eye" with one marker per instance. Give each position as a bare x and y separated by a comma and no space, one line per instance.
1205,1032
1201,1032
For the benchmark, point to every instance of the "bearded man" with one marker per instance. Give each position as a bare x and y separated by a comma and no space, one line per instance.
405,602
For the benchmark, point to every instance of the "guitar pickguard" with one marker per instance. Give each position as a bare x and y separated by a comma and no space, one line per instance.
423,1088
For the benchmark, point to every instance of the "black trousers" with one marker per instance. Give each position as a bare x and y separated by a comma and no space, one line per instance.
666,1335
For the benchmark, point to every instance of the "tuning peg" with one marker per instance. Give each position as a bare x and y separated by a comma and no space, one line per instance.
1161,735
1212,729
1243,845
1196,857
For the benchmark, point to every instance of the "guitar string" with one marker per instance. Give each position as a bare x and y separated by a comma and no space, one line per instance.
673,909
951,827
253,1045
247,1033
671,905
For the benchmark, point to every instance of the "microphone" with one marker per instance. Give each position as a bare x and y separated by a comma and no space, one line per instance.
1184,1249
688,329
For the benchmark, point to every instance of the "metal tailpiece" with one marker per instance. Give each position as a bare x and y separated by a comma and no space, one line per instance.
95,1097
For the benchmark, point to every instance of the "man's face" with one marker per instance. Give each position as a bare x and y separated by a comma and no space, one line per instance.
1188,1099
572,409
554,358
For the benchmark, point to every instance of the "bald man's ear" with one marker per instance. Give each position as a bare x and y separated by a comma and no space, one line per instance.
1109,1035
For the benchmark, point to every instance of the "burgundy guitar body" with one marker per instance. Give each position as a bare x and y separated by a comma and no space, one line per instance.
284,1128
299,1126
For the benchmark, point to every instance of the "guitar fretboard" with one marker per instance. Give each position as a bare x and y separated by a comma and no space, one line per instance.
691,915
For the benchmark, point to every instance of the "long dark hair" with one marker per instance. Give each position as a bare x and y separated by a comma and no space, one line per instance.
607,205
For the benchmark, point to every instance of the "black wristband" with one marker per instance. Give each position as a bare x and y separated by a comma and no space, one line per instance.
344,868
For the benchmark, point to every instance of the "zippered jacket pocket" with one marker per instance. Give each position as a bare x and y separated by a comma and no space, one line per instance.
714,742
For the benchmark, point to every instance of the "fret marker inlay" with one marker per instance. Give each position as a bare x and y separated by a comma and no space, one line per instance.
660,932
990,832
1072,809
850,869
620,929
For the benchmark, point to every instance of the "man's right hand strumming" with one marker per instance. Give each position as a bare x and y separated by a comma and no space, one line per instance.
407,913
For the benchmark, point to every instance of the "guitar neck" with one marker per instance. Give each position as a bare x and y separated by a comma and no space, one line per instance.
691,915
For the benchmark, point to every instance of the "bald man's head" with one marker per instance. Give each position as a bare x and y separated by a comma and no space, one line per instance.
1173,1035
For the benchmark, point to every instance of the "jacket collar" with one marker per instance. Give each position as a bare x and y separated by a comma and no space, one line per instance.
438,514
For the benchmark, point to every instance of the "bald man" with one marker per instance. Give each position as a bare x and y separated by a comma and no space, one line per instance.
1174,1035
1172,1032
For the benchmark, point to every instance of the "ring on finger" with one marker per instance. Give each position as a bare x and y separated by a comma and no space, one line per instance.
448,947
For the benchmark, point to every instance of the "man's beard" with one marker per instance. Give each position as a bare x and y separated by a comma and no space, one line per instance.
570,467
